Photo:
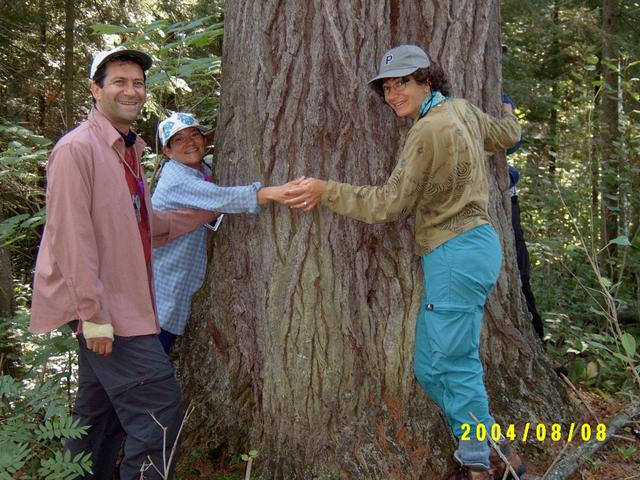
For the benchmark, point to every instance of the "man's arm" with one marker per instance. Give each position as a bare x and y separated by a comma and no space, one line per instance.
168,225
73,244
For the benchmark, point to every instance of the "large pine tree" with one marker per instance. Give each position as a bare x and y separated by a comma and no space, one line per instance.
301,341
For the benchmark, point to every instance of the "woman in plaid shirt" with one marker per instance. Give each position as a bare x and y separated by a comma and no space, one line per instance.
185,182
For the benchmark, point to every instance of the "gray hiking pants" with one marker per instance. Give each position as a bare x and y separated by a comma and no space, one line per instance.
116,396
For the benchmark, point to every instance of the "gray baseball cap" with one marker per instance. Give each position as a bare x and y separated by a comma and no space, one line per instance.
401,61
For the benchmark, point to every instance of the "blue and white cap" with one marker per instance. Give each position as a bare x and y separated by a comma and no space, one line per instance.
174,123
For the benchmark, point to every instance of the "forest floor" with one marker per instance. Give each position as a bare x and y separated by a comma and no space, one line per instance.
619,459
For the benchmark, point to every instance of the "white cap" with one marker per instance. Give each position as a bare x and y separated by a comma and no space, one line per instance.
174,123
102,57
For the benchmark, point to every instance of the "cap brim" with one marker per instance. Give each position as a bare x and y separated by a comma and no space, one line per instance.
400,72
200,128
145,60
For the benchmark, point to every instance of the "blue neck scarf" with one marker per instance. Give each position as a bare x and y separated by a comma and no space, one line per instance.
431,101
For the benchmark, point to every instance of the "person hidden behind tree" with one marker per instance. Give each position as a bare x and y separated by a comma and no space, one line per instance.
522,253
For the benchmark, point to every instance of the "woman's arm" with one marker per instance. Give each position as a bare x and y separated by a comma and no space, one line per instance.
373,204
498,133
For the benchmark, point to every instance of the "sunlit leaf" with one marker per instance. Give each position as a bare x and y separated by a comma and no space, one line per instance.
628,343
108,29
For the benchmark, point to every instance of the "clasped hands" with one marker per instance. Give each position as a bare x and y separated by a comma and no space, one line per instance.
303,193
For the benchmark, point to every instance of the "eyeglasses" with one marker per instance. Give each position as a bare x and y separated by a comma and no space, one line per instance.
397,86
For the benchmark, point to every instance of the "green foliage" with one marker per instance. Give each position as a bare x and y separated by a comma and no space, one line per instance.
251,455
32,59
22,158
34,409
592,356
628,453
553,69
185,73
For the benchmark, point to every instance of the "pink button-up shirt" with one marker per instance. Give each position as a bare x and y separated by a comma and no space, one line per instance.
91,263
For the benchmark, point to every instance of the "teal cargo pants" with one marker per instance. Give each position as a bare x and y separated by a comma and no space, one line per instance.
459,275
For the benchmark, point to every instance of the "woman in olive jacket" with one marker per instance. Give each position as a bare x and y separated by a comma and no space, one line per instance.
441,178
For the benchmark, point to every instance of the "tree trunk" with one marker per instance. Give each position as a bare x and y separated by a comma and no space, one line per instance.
301,340
610,162
6,285
7,304
69,11
7,308
42,101
555,65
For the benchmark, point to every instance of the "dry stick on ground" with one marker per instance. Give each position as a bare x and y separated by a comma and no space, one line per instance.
166,463
569,464
496,447
247,473
580,396
555,460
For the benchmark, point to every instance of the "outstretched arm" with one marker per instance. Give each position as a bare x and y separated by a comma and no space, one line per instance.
307,194
277,193
168,225
374,204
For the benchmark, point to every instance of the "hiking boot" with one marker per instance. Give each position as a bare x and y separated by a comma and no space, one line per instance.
499,467
460,472
486,475
468,472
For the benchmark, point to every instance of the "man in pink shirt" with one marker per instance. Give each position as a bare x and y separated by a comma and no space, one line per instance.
94,272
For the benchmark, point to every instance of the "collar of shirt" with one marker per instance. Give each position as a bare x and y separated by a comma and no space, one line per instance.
190,170
112,136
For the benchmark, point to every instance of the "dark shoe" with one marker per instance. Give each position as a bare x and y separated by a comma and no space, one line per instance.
465,472
499,467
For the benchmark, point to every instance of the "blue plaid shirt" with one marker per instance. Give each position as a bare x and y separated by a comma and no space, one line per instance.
179,266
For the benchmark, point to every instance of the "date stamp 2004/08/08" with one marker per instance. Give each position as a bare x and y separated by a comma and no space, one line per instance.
540,432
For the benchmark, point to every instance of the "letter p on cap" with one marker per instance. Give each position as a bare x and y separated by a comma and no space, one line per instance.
387,59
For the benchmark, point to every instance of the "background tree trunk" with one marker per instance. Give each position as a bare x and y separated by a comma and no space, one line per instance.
7,302
610,162
302,338
42,100
69,24
7,306
555,68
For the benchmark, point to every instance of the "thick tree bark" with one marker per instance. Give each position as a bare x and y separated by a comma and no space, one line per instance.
301,341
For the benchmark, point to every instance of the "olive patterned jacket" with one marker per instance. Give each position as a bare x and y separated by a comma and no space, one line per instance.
440,175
